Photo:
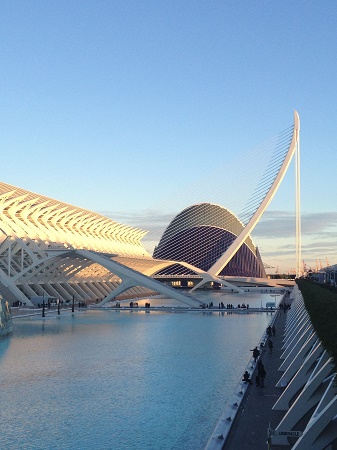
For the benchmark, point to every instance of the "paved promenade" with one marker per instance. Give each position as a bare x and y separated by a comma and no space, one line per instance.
249,430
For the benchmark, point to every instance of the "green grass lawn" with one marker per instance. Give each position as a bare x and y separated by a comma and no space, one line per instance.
321,304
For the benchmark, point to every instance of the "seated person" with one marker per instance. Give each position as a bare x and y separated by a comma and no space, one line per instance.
246,378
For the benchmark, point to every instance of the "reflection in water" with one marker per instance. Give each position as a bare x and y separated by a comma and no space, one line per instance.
4,346
120,380
6,324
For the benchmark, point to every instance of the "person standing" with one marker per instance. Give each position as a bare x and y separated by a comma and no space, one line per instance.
256,353
270,346
261,373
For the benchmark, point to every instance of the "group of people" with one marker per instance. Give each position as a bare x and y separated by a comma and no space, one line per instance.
260,375
284,306
49,303
230,306
261,372
243,306
223,306
207,306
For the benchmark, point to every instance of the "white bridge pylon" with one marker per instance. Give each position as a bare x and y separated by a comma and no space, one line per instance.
240,239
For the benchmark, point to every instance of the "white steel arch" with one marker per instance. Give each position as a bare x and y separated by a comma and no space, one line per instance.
233,248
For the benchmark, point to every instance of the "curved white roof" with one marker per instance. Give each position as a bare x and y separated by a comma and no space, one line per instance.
52,224
205,214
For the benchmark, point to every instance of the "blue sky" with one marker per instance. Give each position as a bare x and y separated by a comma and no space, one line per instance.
114,105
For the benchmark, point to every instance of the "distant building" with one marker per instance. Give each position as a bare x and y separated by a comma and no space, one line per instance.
326,275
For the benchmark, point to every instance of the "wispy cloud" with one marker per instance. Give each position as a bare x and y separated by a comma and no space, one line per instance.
274,234
153,221
273,224
143,219
281,224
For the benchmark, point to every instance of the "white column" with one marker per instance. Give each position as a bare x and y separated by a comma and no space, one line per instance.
298,208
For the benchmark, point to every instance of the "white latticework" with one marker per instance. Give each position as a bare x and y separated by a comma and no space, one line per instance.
48,223
34,230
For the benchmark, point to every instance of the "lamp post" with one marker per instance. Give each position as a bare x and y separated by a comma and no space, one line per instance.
43,314
275,295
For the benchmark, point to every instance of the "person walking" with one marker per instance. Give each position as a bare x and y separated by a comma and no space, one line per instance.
270,346
256,353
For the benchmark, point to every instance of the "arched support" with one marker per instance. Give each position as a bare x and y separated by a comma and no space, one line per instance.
207,278
322,419
299,339
300,380
234,247
127,283
291,365
307,399
11,292
76,260
137,278
313,438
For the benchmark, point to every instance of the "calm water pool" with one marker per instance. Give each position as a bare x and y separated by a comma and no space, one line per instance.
121,380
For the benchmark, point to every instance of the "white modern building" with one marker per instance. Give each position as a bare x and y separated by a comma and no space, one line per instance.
51,249
200,234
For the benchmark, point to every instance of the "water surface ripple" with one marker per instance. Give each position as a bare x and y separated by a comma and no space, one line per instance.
121,380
